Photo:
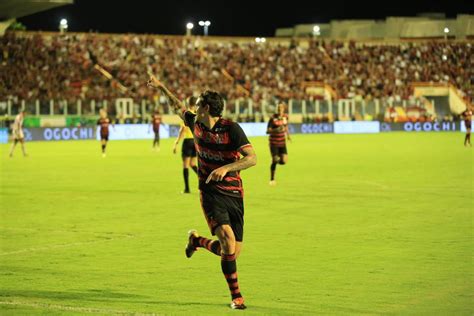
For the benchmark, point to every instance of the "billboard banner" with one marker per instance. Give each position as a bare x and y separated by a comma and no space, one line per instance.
144,131
420,127
3,135
357,127
311,128
59,133
134,131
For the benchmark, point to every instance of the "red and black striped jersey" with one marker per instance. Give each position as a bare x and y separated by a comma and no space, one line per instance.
156,121
218,147
104,125
278,125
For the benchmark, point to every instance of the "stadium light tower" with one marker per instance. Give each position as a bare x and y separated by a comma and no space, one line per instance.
63,25
446,32
189,27
316,30
205,24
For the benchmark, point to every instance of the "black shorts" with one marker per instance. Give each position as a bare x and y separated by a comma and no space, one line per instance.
467,123
104,137
188,149
220,209
278,150
157,134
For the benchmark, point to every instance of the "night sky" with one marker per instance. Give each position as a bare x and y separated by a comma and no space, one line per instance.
234,18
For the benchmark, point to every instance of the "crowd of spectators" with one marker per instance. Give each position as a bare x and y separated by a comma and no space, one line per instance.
35,66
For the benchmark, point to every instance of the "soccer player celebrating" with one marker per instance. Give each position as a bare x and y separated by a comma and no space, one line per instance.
156,122
278,130
188,150
18,135
104,123
219,145
467,122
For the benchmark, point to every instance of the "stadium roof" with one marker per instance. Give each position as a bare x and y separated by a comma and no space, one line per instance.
12,9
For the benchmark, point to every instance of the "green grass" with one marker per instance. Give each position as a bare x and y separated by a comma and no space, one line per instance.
358,224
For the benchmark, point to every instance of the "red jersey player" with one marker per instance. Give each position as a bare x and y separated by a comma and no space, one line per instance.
467,115
104,123
155,123
278,133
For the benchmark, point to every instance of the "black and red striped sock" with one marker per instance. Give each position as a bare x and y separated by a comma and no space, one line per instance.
229,268
213,246
103,148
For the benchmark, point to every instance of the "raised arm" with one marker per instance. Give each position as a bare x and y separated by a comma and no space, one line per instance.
177,105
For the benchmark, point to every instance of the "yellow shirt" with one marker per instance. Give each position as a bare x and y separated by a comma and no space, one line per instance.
187,132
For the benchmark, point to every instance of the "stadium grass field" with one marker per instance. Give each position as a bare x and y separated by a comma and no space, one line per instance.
358,224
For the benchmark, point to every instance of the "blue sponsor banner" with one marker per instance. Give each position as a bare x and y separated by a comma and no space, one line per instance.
420,127
174,130
314,128
254,129
3,135
59,133
68,133
357,127
144,131
429,127
134,131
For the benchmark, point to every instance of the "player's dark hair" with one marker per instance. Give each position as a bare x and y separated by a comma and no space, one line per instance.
192,101
215,102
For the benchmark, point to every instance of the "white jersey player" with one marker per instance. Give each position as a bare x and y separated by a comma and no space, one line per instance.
17,133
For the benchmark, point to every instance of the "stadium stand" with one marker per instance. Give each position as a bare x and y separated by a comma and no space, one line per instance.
50,70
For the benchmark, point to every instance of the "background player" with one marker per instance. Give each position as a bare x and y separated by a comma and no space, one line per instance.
155,123
17,133
104,123
467,122
278,132
219,144
188,150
